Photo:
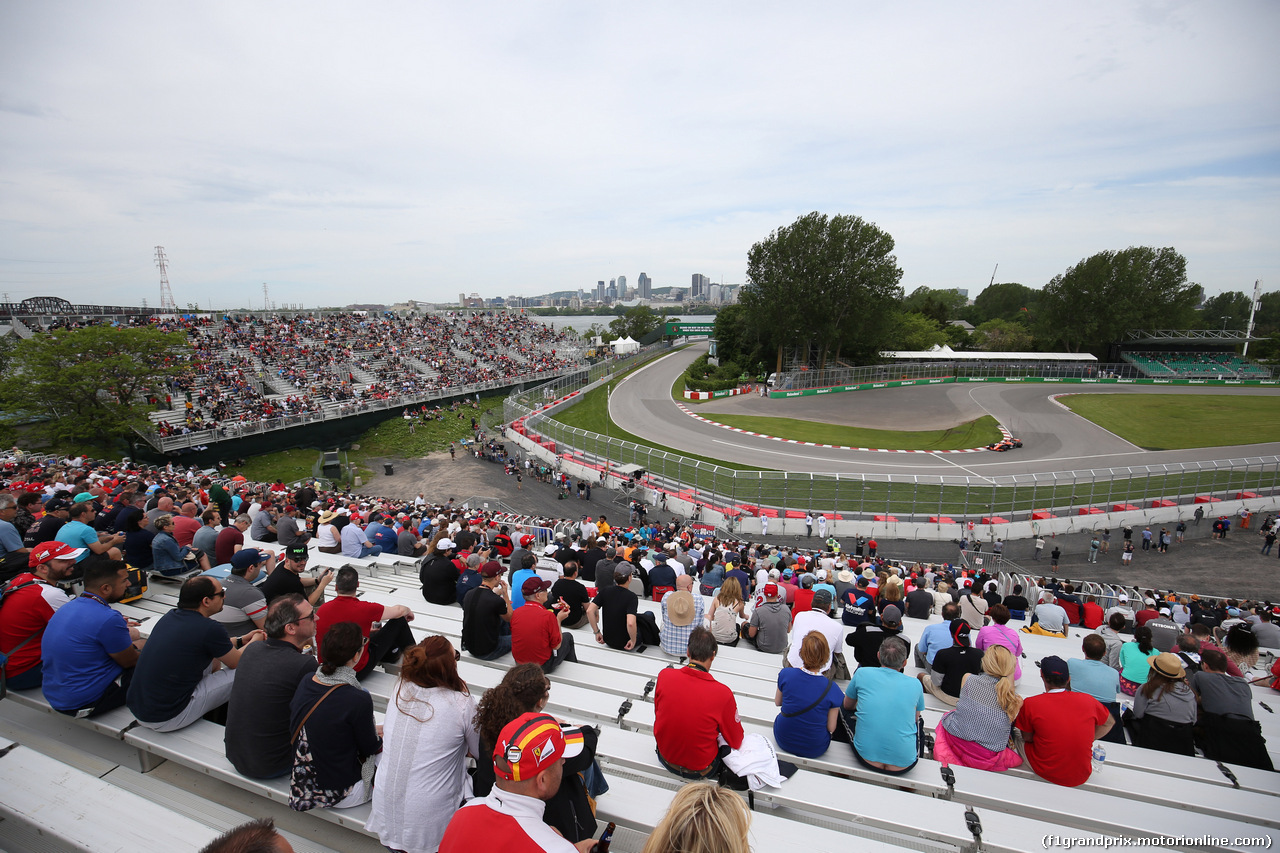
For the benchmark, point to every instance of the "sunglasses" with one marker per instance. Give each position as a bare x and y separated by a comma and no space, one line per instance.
221,592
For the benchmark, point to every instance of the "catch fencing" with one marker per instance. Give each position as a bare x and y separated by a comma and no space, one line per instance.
881,497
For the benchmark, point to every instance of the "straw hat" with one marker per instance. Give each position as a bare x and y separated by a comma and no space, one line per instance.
680,608
1167,664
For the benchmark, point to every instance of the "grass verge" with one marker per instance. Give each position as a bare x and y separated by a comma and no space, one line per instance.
975,433
1180,421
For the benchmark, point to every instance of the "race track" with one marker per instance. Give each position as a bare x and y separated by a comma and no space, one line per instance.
1054,438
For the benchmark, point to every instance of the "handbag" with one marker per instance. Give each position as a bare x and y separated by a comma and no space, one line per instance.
303,721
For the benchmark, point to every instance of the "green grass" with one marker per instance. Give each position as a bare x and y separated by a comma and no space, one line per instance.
591,414
1178,421
975,433
286,465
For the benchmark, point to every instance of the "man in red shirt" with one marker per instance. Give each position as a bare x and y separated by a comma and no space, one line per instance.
535,631
185,524
528,766
691,709
386,643
1059,727
26,612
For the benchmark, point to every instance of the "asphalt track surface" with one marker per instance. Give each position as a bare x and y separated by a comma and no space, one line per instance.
1054,439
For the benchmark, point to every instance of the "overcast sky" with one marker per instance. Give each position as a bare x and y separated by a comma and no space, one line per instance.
373,152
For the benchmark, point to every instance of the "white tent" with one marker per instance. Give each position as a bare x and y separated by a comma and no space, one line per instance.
624,345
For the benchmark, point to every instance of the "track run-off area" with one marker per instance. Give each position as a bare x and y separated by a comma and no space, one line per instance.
1054,438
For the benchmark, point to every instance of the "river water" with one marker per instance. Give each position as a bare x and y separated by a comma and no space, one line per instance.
580,323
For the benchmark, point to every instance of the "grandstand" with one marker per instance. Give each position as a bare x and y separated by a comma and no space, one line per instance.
250,374
78,782
1173,354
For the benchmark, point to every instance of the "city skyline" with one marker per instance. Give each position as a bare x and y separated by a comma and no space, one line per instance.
1029,137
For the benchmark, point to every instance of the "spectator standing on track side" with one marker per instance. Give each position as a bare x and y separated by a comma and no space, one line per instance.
1054,556
1039,548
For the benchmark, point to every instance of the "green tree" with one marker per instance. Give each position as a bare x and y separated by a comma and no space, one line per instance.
1226,310
915,331
89,382
636,323
1004,301
1095,302
941,305
1003,336
735,339
827,281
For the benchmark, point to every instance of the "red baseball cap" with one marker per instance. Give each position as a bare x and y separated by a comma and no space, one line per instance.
46,551
530,744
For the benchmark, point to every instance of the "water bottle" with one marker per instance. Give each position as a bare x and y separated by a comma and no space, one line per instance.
1099,757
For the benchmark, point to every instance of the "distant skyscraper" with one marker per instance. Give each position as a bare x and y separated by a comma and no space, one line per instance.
600,292
611,295
622,287
699,286
645,286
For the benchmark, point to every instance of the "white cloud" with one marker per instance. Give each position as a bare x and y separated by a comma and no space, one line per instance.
339,149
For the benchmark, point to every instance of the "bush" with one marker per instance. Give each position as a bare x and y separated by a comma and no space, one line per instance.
701,376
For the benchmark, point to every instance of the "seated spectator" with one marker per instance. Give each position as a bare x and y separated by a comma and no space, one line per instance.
185,524
525,689
1134,657
259,836
288,578
866,639
79,533
535,630
693,712
88,648
999,634
244,607
702,818
936,636
976,734
355,544
1228,731
1092,675
1091,613
859,606
1059,727
882,709
33,599
616,611
336,743
167,556
571,591
256,736
1204,642
138,537
681,613
179,676
1110,634
952,665
1017,602
328,537
1122,607
1164,708
382,645
1265,629
810,701
769,623
1050,619
486,612
428,733
439,574
973,609
1164,632
509,818
1241,647
726,609
469,577
263,528
919,602
230,539
206,538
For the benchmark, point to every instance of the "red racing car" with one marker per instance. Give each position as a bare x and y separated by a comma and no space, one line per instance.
1005,444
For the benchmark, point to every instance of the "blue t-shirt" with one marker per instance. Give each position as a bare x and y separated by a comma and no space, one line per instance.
77,534
380,534
888,702
806,734
517,582
10,539
76,647
1095,678
179,650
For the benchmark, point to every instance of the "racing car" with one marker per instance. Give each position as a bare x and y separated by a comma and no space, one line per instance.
1005,444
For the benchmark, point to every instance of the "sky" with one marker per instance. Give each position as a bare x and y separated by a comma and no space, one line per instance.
376,152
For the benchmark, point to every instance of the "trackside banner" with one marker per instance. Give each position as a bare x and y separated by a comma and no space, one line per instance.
898,383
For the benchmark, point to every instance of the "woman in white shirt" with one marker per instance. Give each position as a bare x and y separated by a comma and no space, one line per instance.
427,735
327,537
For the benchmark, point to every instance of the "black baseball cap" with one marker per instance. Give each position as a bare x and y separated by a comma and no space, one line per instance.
297,552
